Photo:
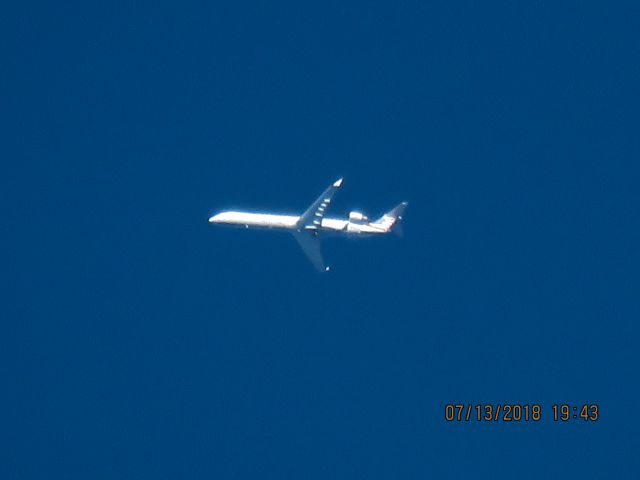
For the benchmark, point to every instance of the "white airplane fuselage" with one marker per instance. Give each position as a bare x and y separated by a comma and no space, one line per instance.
291,222
312,225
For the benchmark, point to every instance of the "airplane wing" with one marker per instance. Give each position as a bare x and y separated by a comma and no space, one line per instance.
312,218
309,223
310,244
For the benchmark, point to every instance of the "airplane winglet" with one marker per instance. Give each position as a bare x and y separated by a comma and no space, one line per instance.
338,183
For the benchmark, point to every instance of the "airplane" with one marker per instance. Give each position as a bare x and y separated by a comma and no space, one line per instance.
312,225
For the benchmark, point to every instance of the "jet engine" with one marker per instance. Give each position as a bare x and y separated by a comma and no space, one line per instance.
357,217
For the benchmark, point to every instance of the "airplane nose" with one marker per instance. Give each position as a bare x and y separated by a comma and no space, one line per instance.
218,218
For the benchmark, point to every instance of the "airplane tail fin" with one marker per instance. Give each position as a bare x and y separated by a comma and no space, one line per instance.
391,220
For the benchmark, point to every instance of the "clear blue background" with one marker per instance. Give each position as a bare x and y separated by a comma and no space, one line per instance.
140,342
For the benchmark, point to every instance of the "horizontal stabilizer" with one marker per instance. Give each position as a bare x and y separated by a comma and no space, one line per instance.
391,219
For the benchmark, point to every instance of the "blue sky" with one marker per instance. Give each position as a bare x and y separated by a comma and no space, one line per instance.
140,342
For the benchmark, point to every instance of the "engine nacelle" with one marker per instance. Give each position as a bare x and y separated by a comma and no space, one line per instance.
357,217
